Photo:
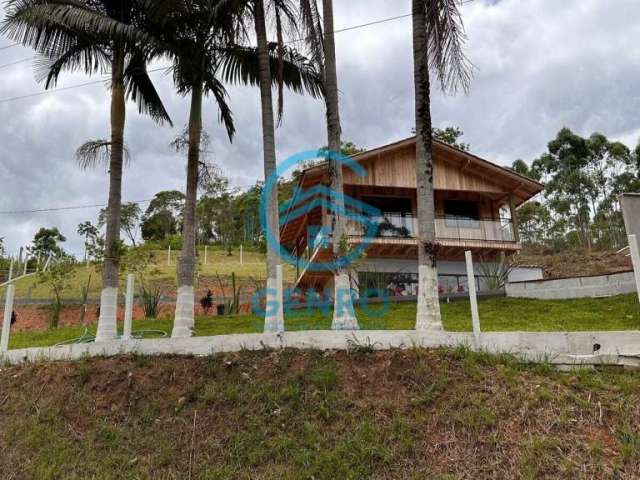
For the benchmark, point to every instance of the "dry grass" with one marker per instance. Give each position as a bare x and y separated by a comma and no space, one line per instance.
400,414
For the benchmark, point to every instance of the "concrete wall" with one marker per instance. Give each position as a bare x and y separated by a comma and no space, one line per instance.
560,348
579,287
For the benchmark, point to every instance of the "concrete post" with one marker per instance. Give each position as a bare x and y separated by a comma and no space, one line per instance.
10,270
6,323
128,308
169,256
635,258
471,281
26,264
205,254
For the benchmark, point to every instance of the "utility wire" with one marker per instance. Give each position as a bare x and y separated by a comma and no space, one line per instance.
14,63
61,89
346,29
9,46
59,209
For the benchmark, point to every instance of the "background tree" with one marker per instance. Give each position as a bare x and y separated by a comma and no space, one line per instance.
130,214
2,250
451,136
46,242
438,41
57,278
163,216
95,37
93,241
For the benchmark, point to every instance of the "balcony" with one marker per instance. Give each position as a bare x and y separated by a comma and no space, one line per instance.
447,228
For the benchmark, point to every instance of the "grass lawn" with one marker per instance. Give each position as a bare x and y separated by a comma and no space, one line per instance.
414,414
496,314
218,262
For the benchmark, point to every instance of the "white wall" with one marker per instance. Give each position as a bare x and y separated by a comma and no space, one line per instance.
578,287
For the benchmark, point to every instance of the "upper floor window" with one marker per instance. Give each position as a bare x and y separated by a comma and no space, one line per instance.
462,214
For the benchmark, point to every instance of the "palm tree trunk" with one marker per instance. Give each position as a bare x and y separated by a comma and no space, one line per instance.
428,311
184,316
107,323
344,317
274,315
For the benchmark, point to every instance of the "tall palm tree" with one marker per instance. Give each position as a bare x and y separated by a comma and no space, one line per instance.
95,36
438,41
200,36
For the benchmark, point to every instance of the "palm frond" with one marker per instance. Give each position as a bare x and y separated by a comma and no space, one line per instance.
141,90
216,88
446,39
84,55
239,65
94,153
312,28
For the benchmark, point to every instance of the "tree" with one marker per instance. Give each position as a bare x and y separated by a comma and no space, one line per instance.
312,84
93,241
201,37
2,250
163,216
438,41
95,36
57,277
45,242
451,136
129,219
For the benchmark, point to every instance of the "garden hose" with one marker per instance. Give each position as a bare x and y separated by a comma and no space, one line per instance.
87,337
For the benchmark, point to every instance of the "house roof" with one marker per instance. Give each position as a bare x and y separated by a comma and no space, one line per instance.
525,186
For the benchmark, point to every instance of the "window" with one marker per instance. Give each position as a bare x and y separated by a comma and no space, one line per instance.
462,214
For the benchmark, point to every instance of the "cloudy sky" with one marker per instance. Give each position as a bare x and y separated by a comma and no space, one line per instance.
540,65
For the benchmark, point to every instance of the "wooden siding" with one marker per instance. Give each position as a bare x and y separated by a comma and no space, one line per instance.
397,168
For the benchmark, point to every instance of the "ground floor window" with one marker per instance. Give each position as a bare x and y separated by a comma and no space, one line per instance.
402,284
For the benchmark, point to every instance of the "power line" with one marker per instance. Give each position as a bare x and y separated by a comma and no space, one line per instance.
14,63
59,209
61,89
9,46
346,29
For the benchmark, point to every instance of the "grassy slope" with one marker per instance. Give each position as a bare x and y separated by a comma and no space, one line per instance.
496,314
253,266
293,415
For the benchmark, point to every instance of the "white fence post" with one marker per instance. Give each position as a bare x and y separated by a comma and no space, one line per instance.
169,256
128,308
205,254
26,264
10,271
471,281
6,324
635,259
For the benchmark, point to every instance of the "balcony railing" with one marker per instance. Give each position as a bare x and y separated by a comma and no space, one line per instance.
447,228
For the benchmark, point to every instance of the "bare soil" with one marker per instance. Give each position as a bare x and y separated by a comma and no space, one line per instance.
577,263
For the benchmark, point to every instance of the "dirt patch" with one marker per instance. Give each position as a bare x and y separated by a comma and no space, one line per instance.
577,263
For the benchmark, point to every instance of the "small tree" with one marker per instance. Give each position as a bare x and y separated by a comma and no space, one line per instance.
57,277
140,262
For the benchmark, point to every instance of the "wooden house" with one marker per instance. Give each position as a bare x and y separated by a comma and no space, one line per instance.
476,205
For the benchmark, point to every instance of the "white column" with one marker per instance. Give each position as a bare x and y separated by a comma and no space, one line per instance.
635,258
471,280
128,308
205,254
6,324
169,256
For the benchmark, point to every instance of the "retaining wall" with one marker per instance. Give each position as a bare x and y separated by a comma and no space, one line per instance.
578,287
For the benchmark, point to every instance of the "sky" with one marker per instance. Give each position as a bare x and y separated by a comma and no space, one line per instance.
539,65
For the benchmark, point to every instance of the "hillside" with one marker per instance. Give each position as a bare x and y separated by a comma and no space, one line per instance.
263,415
575,263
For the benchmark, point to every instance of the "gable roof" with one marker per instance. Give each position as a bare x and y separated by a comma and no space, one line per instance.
521,186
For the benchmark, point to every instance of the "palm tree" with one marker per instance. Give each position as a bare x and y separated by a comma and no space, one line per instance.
95,36
438,41
274,314
200,36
